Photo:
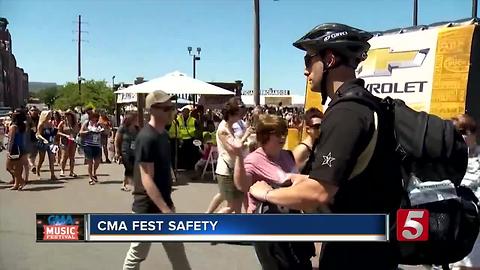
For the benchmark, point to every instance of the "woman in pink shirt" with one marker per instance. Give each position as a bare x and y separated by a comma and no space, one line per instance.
273,165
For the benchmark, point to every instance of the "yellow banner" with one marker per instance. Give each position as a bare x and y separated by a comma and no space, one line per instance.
450,78
312,100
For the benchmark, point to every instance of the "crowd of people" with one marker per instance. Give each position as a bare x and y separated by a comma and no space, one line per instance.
58,137
255,174
35,136
251,163
324,173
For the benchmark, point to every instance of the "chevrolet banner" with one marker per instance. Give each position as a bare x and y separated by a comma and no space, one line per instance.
428,69
433,68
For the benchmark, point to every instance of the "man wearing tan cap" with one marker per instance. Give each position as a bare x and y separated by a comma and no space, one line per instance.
152,177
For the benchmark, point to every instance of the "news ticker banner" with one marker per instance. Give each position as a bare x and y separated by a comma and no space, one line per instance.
211,227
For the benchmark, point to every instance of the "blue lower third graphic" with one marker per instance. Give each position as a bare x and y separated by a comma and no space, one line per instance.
236,227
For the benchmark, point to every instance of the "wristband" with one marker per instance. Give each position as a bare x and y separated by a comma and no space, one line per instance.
266,193
306,145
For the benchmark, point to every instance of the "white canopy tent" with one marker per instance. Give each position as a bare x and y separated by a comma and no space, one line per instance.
176,83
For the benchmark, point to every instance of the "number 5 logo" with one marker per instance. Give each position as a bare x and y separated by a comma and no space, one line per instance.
412,224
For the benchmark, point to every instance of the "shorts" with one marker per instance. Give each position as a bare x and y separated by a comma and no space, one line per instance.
227,188
42,148
92,152
128,163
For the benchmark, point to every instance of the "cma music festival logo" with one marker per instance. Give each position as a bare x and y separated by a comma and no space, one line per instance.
60,227
382,61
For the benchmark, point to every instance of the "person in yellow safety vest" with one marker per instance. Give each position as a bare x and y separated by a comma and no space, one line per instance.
212,131
174,140
186,129
211,135
186,133
173,130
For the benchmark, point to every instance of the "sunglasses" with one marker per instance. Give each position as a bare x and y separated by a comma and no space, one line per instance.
316,126
164,108
308,59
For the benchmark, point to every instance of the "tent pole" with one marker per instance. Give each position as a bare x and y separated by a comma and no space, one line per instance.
174,122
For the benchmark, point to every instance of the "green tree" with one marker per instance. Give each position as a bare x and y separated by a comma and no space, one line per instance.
48,96
95,93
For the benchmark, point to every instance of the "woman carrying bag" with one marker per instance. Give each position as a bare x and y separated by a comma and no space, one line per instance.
46,134
272,164
16,148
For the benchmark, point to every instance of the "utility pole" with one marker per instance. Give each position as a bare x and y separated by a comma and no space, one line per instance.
79,53
415,12
256,53
474,8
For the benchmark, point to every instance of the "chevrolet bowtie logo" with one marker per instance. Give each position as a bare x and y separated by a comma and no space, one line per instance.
382,61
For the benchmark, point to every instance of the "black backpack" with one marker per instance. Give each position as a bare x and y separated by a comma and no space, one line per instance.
430,149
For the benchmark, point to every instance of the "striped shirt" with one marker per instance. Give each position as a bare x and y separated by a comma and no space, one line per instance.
94,136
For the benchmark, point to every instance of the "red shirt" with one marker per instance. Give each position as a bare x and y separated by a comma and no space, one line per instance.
206,151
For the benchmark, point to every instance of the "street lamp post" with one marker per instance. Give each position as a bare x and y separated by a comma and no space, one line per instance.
195,57
115,109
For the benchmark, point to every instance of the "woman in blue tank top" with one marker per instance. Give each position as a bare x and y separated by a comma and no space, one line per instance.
16,148
92,132
46,142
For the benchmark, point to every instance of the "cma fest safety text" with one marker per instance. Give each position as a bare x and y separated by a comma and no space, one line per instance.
150,225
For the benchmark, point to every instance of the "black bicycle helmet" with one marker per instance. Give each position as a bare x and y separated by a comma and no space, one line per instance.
347,41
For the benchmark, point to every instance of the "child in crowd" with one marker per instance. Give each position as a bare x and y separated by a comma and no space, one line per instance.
207,148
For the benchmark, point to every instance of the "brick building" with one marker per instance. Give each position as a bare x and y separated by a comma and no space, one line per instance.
13,80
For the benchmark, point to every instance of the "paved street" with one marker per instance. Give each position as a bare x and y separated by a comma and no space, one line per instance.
18,249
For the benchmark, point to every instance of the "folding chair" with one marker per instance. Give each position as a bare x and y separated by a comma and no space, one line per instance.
212,161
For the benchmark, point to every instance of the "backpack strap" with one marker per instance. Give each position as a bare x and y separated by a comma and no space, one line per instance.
360,95
364,158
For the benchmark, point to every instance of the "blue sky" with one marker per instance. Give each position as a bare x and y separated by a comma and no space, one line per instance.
130,38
